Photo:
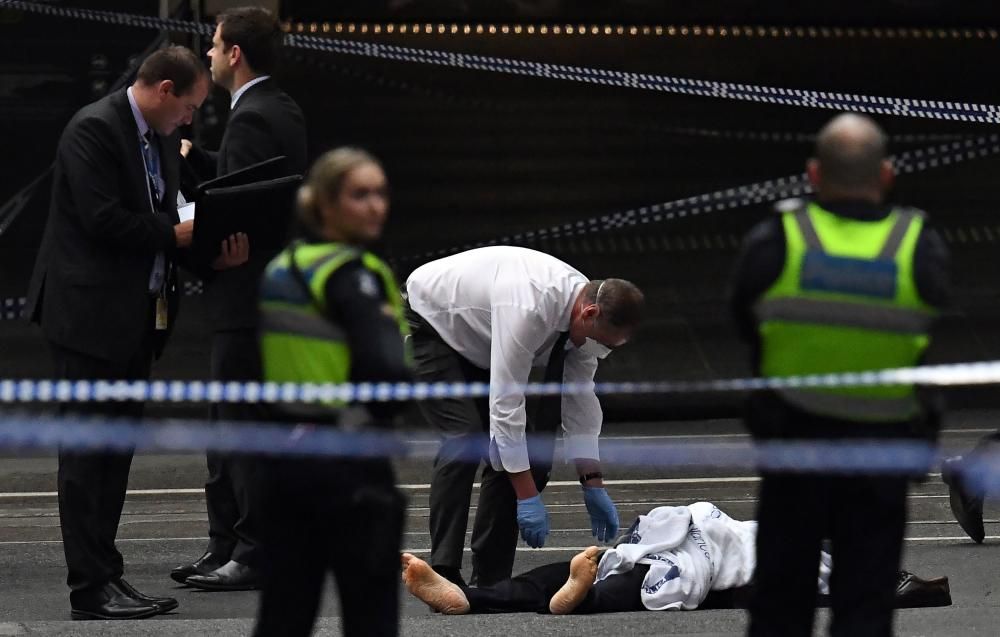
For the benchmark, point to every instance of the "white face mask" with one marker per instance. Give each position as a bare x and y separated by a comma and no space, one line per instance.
593,348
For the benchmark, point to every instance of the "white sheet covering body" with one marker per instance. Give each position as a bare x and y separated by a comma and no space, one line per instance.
690,550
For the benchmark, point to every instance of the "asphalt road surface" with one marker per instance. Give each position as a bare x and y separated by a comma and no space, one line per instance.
164,524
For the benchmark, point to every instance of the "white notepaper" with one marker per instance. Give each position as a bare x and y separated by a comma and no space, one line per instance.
186,212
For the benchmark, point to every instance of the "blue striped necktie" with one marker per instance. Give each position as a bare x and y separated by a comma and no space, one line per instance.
151,162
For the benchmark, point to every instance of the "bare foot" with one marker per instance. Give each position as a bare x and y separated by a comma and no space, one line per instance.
432,589
582,573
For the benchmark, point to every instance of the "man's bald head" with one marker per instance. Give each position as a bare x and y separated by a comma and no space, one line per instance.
851,158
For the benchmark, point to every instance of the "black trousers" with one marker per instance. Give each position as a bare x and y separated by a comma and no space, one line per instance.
464,426
530,592
232,492
321,515
92,484
863,516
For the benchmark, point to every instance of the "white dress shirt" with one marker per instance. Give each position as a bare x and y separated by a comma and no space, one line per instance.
243,89
502,309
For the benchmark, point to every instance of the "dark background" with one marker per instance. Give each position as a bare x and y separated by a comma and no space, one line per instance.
473,155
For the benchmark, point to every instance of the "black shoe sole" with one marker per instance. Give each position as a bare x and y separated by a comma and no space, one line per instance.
181,577
924,599
221,588
166,608
86,614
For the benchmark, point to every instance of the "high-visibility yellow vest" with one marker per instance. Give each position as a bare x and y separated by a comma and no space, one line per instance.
298,342
846,301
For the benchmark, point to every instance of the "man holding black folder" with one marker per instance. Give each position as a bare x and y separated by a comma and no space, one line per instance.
264,123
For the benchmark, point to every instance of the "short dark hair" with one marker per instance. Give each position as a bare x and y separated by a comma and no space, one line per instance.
176,63
850,150
258,34
622,303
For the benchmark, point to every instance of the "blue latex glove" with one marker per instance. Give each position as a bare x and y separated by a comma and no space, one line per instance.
603,514
533,521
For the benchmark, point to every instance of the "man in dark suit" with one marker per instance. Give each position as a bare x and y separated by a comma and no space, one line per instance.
264,123
104,291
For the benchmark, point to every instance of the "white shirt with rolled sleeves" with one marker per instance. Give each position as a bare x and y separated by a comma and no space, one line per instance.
502,308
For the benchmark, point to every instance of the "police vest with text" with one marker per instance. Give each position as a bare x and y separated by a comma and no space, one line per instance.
299,343
846,301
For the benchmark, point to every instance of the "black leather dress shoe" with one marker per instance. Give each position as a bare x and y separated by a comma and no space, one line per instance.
232,576
166,604
109,602
914,592
204,564
966,505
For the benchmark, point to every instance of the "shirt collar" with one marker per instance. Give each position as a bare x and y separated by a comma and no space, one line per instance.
140,121
243,89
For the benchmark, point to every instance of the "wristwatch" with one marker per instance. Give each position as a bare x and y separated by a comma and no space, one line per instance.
590,476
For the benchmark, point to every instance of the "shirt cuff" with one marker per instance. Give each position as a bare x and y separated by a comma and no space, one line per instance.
511,457
581,446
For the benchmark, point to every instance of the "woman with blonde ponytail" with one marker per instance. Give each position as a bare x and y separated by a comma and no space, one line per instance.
331,313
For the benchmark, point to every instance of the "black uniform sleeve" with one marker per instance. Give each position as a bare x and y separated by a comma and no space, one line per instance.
758,266
932,269
932,276
355,299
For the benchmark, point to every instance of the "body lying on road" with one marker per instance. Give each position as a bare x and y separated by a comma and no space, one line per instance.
673,558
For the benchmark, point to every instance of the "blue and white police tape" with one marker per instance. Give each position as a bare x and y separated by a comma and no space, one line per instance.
729,198
86,391
907,162
16,204
10,308
771,190
875,104
39,432
592,116
23,432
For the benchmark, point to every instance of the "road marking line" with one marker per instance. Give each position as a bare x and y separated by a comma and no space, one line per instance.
424,441
569,530
409,487
575,549
421,486
53,494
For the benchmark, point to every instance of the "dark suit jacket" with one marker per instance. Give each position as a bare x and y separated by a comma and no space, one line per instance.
89,289
265,123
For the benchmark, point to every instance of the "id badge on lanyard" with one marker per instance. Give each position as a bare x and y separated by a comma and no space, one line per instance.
161,310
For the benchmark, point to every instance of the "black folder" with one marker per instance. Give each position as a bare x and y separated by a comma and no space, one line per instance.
262,209
261,171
